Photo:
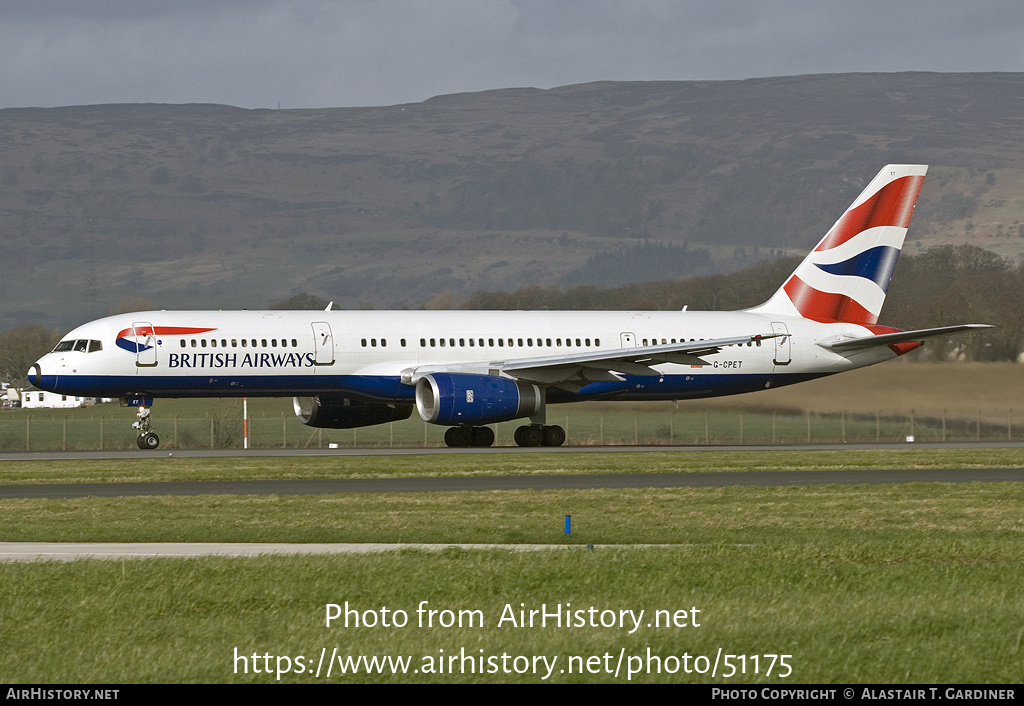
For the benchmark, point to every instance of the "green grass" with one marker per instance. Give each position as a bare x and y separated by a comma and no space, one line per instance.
670,515
849,607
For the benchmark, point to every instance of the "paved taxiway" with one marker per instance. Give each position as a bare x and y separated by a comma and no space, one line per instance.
70,551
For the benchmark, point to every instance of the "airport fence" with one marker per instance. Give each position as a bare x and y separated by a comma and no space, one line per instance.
44,430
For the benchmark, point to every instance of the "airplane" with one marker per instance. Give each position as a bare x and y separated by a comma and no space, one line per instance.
468,369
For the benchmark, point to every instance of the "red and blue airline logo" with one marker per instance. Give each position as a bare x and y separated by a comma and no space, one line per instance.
851,253
136,339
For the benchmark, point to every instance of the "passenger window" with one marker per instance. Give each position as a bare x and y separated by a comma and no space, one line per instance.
203,343
195,343
183,343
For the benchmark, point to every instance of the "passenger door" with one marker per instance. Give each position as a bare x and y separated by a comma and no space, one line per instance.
323,343
782,345
145,344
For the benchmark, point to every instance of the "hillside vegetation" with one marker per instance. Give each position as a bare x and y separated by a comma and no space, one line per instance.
205,206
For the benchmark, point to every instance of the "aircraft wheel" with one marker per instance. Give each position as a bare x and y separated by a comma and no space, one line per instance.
459,437
554,436
483,436
149,441
532,435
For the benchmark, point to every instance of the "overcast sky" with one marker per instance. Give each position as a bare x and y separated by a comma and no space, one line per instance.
323,53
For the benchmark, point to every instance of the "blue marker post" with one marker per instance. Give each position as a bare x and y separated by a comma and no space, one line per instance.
568,523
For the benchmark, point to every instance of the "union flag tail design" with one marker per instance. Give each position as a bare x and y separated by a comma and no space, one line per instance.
846,276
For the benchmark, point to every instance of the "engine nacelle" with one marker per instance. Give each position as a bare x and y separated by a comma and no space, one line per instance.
346,413
465,399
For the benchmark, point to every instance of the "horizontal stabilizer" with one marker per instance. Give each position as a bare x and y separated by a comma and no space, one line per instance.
886,339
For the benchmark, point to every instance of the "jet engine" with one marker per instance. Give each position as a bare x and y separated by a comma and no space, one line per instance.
466,399
345,413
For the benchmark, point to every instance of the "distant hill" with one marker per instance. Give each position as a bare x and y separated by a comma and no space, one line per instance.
206,206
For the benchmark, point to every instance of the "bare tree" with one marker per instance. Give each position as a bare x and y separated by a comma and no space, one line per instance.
20,348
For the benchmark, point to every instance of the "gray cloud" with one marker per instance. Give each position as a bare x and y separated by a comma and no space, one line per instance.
318,53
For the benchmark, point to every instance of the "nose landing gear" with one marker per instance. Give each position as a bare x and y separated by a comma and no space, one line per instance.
148,439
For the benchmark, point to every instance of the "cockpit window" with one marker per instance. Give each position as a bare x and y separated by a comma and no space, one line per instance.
80,346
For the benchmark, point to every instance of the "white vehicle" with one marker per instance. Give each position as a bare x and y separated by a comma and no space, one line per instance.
467,369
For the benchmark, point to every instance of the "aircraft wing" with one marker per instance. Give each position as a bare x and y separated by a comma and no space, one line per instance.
574,370
885,339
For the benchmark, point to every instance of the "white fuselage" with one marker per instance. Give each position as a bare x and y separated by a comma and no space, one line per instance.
367,353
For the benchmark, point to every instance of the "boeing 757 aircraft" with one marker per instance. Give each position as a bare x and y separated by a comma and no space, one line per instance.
468,369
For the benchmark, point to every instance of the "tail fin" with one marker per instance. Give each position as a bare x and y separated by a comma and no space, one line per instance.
846,276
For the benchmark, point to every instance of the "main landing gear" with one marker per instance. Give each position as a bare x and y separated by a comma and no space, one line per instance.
148,439
469,436
528,435
540,435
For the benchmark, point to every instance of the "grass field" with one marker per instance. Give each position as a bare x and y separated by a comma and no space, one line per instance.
907,583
